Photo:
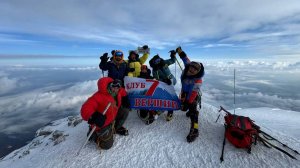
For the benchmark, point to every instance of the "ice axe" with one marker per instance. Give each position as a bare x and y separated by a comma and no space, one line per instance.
92,131
179,64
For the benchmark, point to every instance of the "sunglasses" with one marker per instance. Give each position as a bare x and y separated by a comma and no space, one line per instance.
118,54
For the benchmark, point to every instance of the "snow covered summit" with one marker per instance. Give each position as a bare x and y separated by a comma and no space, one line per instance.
161,144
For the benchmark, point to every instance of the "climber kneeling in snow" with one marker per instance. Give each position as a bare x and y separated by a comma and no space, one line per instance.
109,92
191,80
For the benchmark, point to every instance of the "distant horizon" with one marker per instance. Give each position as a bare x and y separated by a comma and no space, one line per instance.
163,55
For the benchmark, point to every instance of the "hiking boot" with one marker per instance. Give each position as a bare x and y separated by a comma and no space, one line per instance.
169,116
144,114
150,120
122,131
194,133
188,114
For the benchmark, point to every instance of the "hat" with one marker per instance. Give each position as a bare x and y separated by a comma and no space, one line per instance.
144,67
195,65
133,52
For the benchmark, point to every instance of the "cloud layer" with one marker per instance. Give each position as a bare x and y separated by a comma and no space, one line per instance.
44,95
263,26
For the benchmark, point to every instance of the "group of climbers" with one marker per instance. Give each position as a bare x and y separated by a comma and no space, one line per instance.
111,91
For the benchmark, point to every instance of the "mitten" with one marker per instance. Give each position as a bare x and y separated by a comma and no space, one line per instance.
172,54
131,69
178,50
125,102
168,81
113,52
97,118
104,57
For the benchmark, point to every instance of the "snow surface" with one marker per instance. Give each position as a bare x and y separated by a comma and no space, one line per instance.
161,144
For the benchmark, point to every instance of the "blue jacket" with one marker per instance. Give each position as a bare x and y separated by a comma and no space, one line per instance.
163,72
191,85
115,70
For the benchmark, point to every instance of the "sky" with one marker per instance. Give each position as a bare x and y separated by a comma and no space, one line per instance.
207,29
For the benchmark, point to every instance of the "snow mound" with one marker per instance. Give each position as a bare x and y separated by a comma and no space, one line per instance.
161,144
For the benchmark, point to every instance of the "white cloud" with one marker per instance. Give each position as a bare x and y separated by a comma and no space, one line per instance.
34,106
158,23
7,84
217,45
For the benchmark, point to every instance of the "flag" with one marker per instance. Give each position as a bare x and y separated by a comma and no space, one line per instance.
151,94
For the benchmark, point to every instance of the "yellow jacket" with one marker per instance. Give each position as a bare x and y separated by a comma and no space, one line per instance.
137,65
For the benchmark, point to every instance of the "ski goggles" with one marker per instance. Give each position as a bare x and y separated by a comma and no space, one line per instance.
118,54
115,84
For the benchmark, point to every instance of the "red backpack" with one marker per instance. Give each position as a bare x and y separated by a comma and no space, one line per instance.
241,132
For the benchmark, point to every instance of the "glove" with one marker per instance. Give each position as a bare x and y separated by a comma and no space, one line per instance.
178,50
184,106
104,57
125,102
172,53
97,118
131,69
168,81
145,47
113,52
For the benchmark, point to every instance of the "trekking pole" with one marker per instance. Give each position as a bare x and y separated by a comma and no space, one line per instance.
281,150
269,137
221,158
178,64
92,131
175,70
102,73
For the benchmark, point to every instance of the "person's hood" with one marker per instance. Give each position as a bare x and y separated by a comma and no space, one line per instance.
136,56
103,84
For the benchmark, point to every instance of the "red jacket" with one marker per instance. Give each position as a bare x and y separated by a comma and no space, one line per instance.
99,100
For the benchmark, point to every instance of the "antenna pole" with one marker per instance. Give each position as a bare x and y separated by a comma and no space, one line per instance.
234,91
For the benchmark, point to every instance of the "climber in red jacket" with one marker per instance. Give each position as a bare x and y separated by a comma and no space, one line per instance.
109,91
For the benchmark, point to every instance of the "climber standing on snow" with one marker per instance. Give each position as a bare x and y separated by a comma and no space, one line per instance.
191,80
161,72
135,62
109,92
117,68
147,115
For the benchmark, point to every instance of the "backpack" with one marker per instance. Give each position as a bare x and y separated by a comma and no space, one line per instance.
242,132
